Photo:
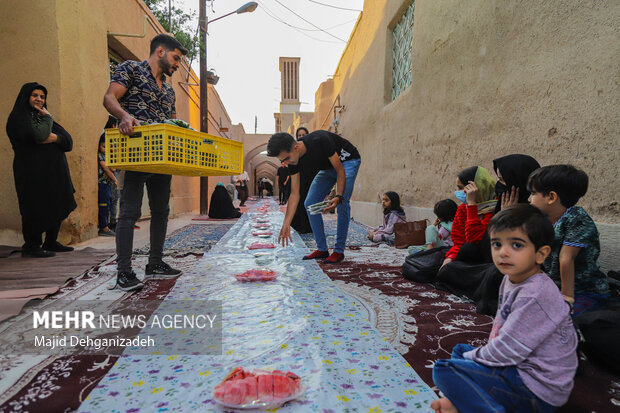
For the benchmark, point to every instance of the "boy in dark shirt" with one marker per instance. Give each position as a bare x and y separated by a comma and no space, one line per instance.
338,161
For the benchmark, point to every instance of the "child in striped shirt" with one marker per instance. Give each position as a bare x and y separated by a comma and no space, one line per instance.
530,359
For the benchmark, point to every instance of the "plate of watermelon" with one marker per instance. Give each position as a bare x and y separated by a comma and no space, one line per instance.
258,389
257,275
257,245
263,234
261,226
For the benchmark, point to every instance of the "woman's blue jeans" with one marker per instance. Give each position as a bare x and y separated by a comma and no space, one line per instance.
473,387
321,185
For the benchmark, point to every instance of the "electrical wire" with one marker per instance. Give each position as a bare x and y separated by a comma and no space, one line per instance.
302,28
298,29
335,7
309,22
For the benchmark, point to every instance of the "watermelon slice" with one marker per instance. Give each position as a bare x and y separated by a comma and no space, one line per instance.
265,388
258,246
261,388
257,275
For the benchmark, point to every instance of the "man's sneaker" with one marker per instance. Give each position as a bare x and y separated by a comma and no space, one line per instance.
335,258
127,281
317,254
161,271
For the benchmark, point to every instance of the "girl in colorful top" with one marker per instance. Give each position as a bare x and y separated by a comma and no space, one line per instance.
476,191
438,234
573,262
392,214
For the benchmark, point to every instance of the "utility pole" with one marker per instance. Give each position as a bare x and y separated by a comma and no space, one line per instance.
204,91
169,16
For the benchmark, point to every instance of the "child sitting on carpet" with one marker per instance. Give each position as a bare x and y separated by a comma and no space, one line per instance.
392,214
439,234
530,359
572,263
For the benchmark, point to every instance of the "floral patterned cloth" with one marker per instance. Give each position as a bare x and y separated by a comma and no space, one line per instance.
300,322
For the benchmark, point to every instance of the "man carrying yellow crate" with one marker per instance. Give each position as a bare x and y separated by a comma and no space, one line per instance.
138,92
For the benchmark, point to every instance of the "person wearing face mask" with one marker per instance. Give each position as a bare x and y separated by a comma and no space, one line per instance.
42,178
478,279
476,191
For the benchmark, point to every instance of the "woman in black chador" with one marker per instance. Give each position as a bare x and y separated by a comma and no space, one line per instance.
42,178
221,205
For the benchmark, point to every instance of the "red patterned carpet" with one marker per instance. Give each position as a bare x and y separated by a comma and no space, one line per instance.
423,323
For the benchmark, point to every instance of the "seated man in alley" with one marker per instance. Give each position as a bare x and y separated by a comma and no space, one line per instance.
138,92
338,162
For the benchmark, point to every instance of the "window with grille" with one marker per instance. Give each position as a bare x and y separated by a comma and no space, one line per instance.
402,40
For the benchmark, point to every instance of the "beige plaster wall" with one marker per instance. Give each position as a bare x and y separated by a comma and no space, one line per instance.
489,78
69,55
300,119
15,22
324,99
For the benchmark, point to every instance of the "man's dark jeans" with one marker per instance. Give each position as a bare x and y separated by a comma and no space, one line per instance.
158,190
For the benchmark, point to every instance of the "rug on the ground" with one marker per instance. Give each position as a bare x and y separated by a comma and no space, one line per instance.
7,250
58,384
423,323
192,238
25,279
357,236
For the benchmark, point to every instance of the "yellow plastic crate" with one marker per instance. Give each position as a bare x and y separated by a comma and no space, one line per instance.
167,149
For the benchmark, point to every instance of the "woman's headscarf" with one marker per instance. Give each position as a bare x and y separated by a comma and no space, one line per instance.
486,187
515,170
19,125
300,128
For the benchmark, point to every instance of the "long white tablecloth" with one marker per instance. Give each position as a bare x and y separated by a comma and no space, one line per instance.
300,322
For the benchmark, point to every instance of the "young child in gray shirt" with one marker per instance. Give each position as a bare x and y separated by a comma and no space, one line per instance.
530,359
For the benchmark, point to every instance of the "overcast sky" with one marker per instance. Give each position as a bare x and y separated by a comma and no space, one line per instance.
244,50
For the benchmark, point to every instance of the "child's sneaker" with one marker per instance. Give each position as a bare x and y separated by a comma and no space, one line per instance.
161,271
127,281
